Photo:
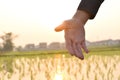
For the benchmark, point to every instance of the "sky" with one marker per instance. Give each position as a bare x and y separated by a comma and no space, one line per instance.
34,20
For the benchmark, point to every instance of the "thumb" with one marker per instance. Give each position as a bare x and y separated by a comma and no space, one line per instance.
65,25
60,28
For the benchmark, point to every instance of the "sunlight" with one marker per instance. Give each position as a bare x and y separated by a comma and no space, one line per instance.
58,76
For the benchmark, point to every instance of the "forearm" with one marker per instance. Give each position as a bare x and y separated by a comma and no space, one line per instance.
90,6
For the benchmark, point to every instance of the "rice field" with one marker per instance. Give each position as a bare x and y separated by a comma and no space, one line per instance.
61,67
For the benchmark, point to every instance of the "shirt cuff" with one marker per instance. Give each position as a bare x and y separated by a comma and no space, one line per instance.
90,6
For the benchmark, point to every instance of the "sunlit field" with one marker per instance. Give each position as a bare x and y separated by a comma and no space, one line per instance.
100,64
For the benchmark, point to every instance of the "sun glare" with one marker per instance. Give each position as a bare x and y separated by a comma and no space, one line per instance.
58,76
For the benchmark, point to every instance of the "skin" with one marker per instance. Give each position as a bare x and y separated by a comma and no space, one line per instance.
75,33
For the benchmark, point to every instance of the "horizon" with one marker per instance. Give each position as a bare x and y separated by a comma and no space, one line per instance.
64,42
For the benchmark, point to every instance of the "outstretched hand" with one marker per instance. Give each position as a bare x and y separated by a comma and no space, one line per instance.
74,37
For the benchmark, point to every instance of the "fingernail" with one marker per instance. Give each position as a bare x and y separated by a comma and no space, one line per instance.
82,58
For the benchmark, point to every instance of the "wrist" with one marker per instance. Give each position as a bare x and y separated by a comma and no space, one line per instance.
81,16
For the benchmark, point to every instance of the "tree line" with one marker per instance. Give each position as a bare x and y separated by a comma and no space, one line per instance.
7,44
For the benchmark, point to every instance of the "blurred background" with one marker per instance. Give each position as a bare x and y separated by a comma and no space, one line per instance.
34,20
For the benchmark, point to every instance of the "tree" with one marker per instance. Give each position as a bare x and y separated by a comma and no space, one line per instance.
7,41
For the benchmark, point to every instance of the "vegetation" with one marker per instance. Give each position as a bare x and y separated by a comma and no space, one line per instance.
92,51
100,64
7,44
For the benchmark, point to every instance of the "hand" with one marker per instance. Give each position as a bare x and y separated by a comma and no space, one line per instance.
74,36
75,33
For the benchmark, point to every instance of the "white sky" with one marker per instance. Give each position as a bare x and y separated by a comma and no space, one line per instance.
34,20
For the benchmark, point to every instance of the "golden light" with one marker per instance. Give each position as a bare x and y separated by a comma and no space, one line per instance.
58,76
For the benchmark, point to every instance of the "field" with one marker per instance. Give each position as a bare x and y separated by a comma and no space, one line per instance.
100,64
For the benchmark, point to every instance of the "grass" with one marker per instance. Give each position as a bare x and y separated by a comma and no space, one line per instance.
104,51
19,60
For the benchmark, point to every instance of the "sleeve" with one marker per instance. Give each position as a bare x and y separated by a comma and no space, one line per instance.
90,6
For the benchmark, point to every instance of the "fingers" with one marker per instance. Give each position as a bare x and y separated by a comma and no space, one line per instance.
83,45
69,46
74,49
78,51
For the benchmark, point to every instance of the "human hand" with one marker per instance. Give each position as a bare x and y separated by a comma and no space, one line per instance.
74,37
